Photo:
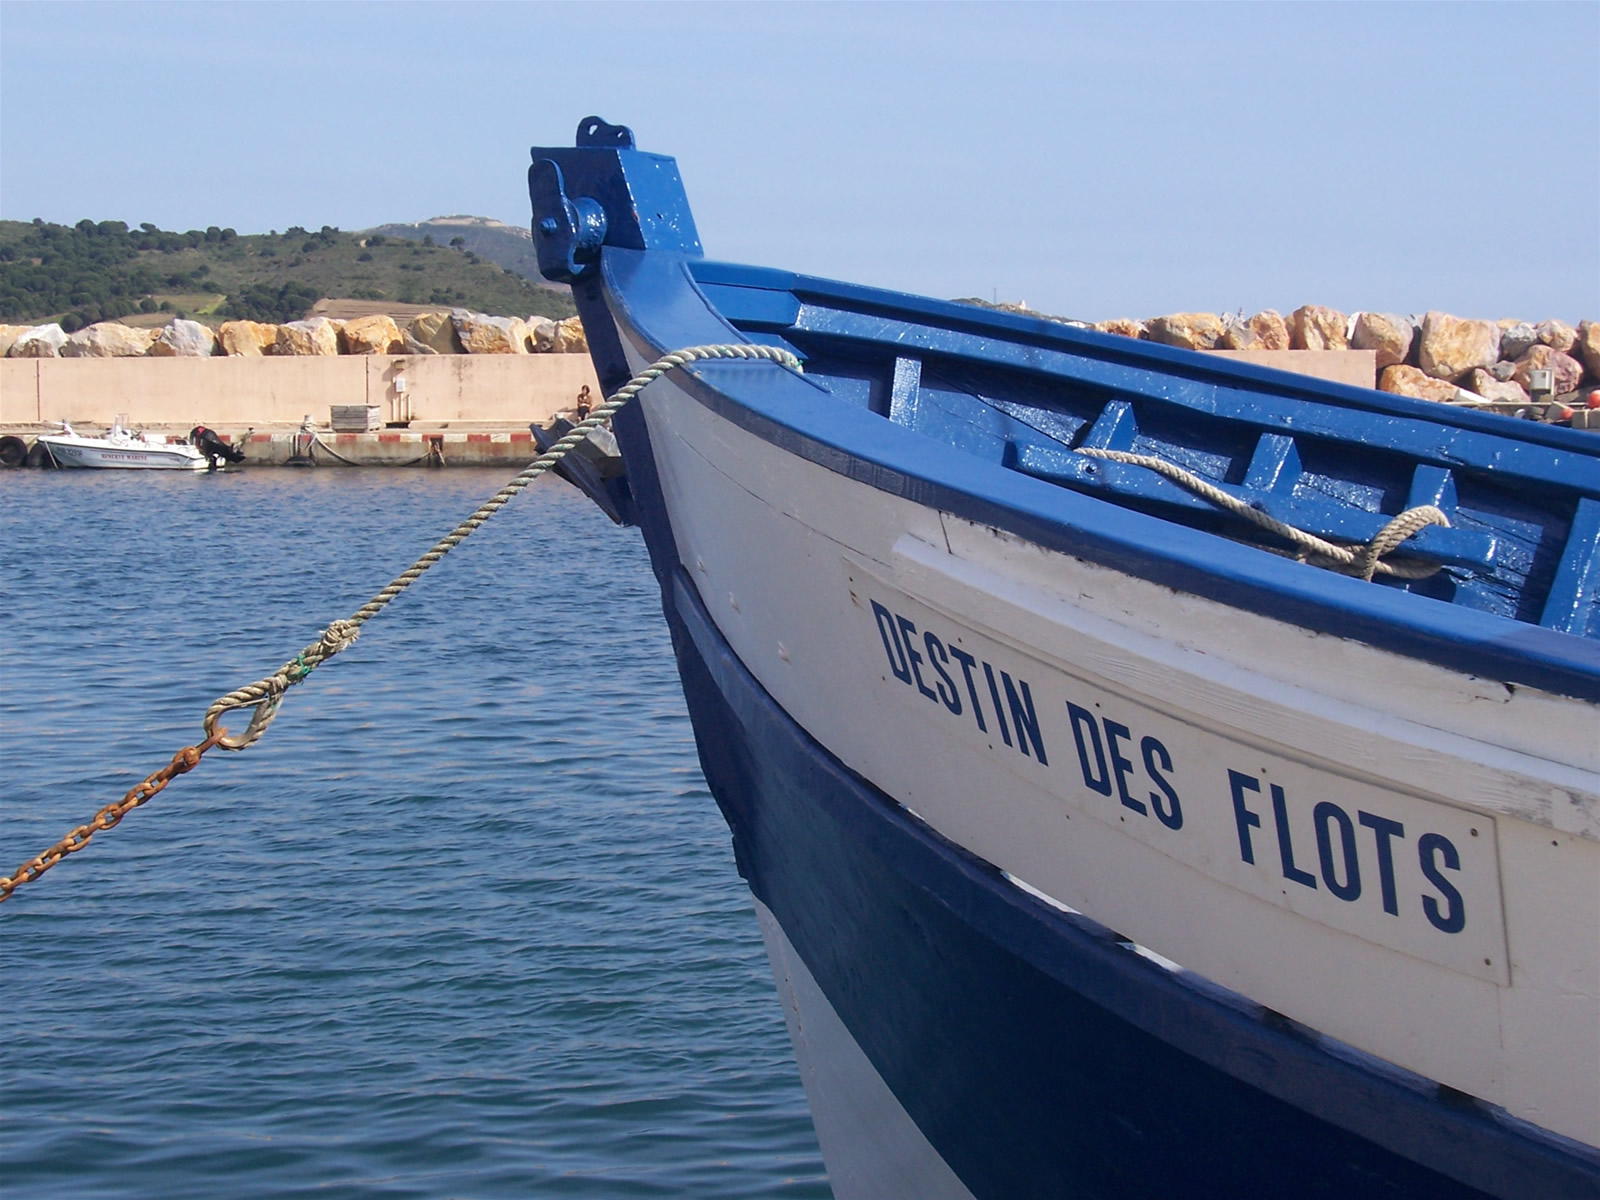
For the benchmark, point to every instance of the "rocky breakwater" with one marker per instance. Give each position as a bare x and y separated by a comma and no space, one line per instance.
1432,357
453,331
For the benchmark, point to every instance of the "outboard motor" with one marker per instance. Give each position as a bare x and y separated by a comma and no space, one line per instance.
213,447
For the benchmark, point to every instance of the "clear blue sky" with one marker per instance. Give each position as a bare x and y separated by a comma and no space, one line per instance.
1093,160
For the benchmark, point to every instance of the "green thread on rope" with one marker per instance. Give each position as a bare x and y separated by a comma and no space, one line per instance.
266,695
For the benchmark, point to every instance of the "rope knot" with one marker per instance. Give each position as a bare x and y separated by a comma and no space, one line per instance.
336,637
266,695
1409,523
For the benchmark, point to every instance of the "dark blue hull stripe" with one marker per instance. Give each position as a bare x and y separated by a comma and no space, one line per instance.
1040,1056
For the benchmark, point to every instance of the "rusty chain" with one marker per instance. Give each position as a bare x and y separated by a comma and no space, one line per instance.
182,763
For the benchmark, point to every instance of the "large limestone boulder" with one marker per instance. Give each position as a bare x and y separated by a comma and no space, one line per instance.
8,337
432,333
1387,335
1567,371
570,336
249,339
1271,328
544,335
109,339
1239,334
138,341
39,341
1558,335
482,334
184,339
1410,381
557,337
1314,327
314,336
1189,331
1484,383
1121,326
1588,347
376,334
1452,346
1515,338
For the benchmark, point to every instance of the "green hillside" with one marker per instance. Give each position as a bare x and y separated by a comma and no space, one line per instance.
509,246
90,272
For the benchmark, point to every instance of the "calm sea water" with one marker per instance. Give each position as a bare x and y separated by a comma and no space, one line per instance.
464,924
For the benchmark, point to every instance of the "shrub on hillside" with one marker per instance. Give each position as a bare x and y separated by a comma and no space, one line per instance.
261,302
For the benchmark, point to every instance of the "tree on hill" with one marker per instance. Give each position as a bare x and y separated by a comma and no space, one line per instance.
260,302
89,267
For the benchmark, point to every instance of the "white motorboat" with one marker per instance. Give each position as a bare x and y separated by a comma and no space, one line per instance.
122,448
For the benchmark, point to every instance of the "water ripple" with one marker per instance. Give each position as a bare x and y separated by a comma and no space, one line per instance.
465,924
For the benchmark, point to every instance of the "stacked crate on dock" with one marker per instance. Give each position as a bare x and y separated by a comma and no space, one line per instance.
355,418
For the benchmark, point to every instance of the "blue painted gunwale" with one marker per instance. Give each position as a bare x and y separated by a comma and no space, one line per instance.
1038,1053
1122,351
658,306
1250,393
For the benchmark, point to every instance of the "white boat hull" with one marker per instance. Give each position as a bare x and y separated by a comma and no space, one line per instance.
872,1146
1378,849
122,454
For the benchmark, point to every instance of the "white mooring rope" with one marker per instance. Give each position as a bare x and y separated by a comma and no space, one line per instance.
266,695
1362,561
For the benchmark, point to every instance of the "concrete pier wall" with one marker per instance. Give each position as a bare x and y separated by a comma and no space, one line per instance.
392,448
247,391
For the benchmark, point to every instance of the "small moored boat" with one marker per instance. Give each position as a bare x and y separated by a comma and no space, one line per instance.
1156,775
125,449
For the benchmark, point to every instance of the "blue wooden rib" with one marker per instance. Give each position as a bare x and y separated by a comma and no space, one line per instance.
905,393
1275,465
1575,593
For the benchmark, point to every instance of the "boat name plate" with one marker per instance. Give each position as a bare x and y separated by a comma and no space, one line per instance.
1404,871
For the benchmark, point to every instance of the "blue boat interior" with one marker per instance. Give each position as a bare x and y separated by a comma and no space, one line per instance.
1001,402
1524,534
